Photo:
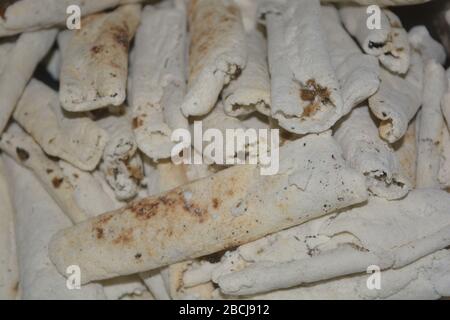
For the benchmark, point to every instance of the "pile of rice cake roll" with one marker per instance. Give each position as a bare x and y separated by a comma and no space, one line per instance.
87,179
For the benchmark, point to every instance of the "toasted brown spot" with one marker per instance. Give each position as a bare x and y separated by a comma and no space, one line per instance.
124,237
136,173
215,203
207,26
57,182
104,218
76,176
237,72
167,201
196,211
316,95
311,110
96,49
144,209
22,154
137,255
99,233
120,35
137,122
49,171
307,95
98,225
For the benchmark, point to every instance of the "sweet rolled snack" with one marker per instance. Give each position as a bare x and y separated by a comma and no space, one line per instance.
389,234
75,139
121,163
176,176
167,283
431,123
418,212
366,152
251,90
445,102
389,43
223,215
166,176
95,63
22,60
217,52
306,96
37,218
27,15
358,74
157,83
426,278
164,283
87,191
90,196
398,99
25,151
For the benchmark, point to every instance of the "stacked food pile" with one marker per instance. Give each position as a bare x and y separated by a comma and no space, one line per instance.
358,207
